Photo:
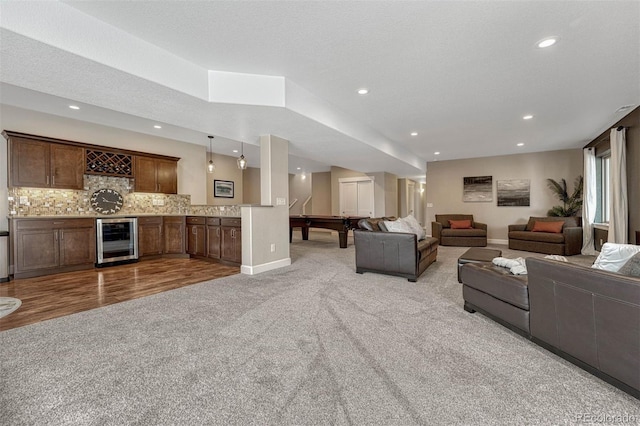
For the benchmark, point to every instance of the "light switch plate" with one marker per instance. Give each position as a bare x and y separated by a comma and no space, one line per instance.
280,201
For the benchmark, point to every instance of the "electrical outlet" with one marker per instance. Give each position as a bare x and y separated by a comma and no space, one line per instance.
429,204
10,198
273,248
160,202
24,199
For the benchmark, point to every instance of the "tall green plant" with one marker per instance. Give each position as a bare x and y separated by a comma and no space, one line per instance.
571,204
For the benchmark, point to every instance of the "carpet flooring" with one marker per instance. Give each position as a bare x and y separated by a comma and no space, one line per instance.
310,344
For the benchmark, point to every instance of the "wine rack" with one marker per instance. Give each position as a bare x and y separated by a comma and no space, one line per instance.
108,163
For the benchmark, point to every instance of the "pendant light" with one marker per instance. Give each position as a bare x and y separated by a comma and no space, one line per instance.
242,163
210,167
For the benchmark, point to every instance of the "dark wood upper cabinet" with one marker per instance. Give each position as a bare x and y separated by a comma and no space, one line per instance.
41,164
66,166
156,175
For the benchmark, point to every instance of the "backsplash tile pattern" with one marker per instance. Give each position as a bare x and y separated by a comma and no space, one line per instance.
60,202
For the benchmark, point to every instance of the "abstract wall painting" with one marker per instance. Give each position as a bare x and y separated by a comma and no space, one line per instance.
477,189
514,193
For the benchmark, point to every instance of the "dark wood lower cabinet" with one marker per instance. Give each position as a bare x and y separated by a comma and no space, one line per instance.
174,234
46,246
213,237
150,241
231,244
196,237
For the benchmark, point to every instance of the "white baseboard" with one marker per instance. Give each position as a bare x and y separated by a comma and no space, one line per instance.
252,270
503,242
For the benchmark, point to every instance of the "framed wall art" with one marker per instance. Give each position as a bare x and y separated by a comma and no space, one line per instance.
477,188
223,188
513,193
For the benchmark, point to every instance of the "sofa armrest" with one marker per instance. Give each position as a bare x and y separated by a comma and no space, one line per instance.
479,225
436,230
386,251
572,240
518,227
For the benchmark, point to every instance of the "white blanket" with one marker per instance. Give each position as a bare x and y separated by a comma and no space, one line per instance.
516,266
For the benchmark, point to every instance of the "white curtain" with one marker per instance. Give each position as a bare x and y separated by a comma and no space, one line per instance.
589,204
618,209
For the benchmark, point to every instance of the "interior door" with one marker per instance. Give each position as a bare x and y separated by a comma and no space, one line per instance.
348,198
365,198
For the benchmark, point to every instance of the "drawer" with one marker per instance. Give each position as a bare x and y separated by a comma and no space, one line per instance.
231,221
213,221
173,219
53,224
150,220
196,220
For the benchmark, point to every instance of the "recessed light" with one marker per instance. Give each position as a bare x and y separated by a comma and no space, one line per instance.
298,168
157,126
436,153
527,117
521,144
414,133
235,151
363,91
624,108
74,107
547,42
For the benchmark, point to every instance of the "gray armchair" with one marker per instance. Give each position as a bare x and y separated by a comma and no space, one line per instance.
476,236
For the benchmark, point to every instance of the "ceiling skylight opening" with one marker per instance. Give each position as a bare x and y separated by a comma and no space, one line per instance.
74,107
363,91
157,126
527,117
547,42
414,133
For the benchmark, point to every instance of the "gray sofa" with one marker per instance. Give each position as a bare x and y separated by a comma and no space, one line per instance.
588,316
566,243
392,253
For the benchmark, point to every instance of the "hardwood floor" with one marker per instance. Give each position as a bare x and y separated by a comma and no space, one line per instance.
58,295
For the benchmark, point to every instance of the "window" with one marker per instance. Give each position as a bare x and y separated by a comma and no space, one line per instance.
604,197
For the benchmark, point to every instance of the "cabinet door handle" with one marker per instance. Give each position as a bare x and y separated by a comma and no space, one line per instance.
193,230
47,179
55,236
53,180
217,232
61,235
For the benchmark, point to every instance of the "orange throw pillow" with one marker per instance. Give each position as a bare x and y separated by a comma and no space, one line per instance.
460,224
555,227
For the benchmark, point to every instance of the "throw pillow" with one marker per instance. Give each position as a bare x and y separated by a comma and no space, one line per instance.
613,256
460,224
415,226
398,226
632,267
556,257
554,227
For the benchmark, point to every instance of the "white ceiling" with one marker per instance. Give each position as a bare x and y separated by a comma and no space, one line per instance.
461,74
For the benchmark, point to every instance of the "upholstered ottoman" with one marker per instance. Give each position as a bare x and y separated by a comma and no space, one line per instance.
495,292
477,255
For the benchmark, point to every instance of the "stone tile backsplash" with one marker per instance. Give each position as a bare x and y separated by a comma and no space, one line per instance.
25,202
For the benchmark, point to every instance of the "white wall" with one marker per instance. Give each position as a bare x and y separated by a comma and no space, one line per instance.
300,188
226,169
444,186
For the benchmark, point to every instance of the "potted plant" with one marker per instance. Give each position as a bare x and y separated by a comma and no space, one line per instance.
571,204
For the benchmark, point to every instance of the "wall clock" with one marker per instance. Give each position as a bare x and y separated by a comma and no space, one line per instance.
106,201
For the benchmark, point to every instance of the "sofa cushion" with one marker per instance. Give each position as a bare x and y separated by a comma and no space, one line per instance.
472,232
632,267
370,224
444,219
544,226
568,221
398,226
460,224
613,256
543,237
415,226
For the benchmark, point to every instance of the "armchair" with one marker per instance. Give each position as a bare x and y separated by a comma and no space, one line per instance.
568,242
476,236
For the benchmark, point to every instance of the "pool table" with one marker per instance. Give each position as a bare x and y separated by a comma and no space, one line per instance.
342,224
